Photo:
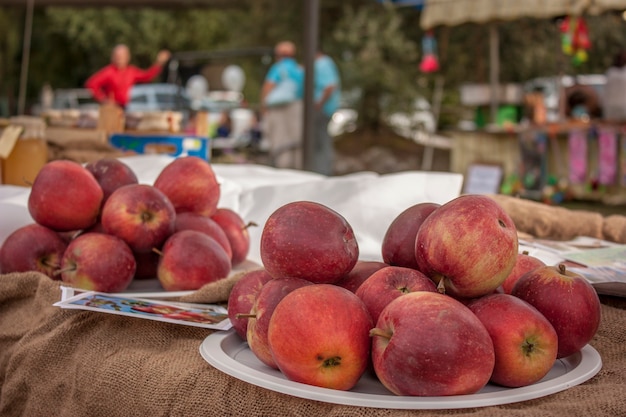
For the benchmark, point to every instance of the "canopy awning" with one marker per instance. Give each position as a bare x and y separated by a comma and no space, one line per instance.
456,12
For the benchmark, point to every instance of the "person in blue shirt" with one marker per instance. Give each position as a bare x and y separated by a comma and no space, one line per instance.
327,86
282,108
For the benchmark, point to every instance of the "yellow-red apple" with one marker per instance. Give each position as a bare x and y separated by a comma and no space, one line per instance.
190,184
524,341
318,335
32,248
398,247
468,246
242,297
567,300
190,260
64,197
387,284
308,240
523,264
261,312
98,262
429,344
140,215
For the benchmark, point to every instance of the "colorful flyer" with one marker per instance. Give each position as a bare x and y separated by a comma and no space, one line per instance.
209,316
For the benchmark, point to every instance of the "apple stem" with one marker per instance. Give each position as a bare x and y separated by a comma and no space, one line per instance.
250,224
380,332
157,251
562,268
60,271
245,316
525,252
30,184
441,287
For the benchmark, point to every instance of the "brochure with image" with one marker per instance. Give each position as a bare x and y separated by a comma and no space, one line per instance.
199,315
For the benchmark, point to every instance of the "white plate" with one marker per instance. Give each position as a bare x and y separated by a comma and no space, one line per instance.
228,353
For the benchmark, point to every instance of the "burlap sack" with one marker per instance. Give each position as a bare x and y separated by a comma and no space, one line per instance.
614,228
551,222
56,362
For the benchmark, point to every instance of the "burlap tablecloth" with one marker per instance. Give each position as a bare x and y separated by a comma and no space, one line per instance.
56,362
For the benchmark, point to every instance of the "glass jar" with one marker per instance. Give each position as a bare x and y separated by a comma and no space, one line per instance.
29,154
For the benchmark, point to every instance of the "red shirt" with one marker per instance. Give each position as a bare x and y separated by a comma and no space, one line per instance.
114,83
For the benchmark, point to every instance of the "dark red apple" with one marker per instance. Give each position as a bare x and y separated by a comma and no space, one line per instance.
193,221
190,260
98,262
32,248
429,344
398,247
387,284
191,185
242,296
468,246
259,318
318,335
111,174
308,240
567,300
237,232
64,197
524,341
523,264
140,215
357,276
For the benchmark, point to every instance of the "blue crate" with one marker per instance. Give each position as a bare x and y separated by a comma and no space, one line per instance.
173,144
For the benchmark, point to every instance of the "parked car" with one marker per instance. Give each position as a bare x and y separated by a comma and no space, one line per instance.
158,97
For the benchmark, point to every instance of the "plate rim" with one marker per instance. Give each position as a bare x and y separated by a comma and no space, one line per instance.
213,351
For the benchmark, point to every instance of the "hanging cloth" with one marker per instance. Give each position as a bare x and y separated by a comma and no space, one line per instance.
607,157
577,147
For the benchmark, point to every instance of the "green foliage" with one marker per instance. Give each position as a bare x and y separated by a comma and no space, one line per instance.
380,59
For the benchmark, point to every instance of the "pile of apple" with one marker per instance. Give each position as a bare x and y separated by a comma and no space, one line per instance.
97,228
453,307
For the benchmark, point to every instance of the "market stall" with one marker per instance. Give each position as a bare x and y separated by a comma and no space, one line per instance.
62,362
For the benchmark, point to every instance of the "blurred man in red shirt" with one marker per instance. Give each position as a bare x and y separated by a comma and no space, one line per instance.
112,84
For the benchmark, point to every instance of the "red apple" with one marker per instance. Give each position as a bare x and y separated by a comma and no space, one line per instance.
357,276
193,221
65,196
398,247
147,264
32,248
387,284
140,215
318,335
567,300
259,318
190,184
524,341
191,259
111,174
310,241
98,262
236,231
429,344
242,296
523,264
468,246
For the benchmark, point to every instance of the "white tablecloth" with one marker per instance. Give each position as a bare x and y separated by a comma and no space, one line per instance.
367,200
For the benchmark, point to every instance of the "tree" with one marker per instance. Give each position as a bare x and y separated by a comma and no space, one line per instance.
379,60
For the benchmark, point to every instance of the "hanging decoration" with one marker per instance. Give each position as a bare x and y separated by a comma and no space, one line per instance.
575,38
430,61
